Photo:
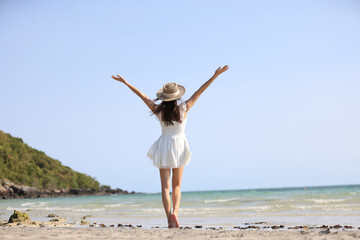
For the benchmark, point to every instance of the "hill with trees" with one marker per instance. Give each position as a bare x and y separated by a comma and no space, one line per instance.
26,172
24,165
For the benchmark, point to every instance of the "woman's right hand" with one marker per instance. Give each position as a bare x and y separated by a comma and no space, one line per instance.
221,70
119,78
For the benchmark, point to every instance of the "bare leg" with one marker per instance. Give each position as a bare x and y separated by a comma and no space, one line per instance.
165,192
176,194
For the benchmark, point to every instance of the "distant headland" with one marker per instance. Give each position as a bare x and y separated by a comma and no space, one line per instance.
26,172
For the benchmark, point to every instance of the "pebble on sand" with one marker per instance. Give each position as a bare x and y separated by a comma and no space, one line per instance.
58,220
84,222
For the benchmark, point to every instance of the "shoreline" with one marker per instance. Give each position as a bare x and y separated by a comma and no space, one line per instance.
22,232
56,221
20,226
9,190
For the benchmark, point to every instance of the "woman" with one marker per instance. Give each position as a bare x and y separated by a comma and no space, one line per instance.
171,150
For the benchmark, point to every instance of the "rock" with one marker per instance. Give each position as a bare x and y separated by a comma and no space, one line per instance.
18,190
102,225
18,217
6,183
297,227
124,225
198,226
281,226
58,220
336,226
75,191
275,227
327,231
252,226
139,226
187,227
323,227
42,225
259,222
348,227
9,190
52,215
84,222
112,225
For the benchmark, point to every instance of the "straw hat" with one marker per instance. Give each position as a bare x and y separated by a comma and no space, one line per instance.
170,91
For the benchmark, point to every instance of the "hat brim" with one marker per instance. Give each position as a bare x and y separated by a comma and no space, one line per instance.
161,97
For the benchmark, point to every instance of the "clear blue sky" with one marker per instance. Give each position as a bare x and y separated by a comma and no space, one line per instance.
286,113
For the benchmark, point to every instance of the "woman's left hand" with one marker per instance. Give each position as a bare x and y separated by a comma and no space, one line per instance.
221,70
119,78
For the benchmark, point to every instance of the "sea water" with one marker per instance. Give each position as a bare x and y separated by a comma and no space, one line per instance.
287,206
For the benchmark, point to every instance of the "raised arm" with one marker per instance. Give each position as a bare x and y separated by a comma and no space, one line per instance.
191,101
142,95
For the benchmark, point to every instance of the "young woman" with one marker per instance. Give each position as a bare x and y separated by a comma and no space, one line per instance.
171,150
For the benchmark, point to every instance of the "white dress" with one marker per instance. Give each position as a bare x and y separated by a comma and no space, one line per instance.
171,149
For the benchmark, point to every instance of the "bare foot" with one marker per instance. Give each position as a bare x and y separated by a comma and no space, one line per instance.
174,221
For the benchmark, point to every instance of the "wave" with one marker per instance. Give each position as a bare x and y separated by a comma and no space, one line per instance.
27,204
89,210
221,200
121,205
33,203
57,209
114,205
325,200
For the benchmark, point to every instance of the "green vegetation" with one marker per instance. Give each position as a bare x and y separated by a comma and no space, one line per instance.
25,165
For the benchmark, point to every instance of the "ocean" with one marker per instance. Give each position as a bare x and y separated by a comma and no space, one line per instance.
287,206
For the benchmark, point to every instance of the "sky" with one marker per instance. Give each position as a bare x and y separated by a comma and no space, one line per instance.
286,113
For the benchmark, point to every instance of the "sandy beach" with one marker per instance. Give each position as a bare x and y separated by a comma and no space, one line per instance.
21,232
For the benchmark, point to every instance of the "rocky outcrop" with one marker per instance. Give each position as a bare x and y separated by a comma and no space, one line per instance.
9,190
18,217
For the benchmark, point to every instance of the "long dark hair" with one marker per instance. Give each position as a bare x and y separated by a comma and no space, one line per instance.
170,112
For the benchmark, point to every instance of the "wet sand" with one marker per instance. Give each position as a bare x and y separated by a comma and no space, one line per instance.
49,232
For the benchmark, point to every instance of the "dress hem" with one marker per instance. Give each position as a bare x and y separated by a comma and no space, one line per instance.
169,167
